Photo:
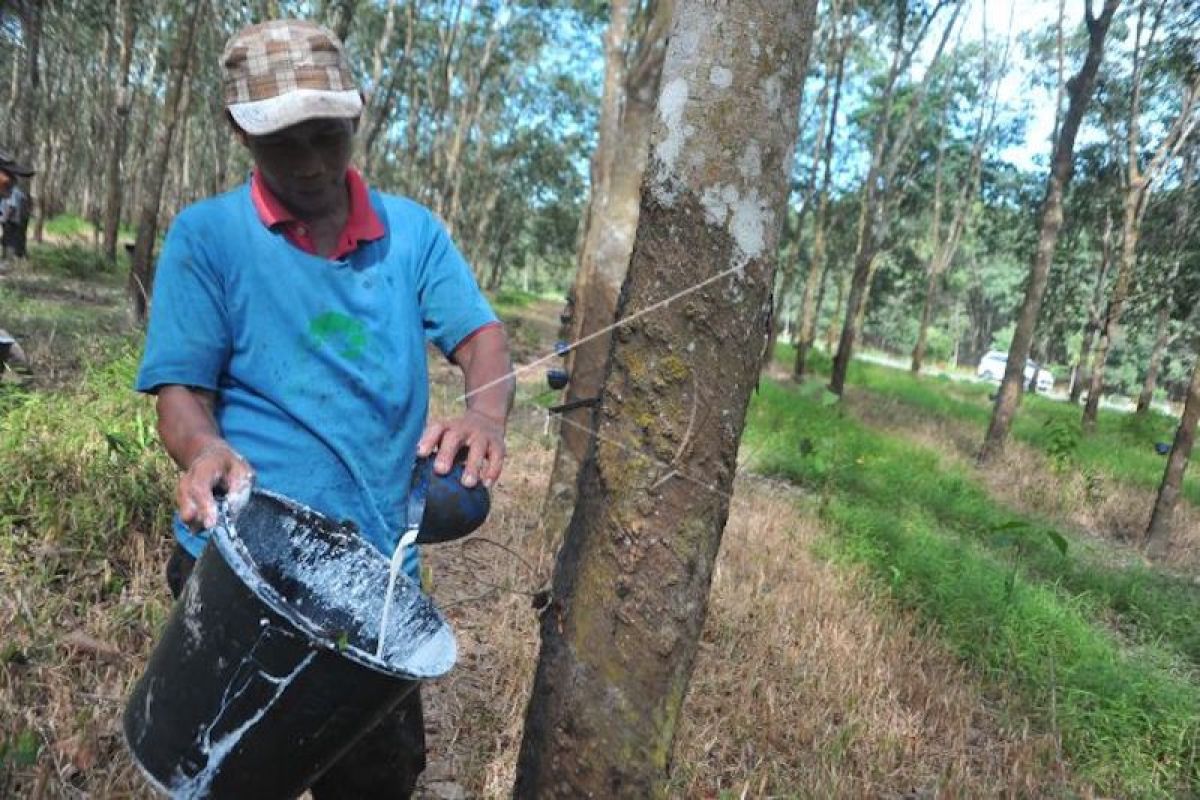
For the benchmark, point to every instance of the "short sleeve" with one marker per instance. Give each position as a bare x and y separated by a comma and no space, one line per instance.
188,341
452,306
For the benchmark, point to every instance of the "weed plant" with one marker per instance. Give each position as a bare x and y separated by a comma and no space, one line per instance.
1102,656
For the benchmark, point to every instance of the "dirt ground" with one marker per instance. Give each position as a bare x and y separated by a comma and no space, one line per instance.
808,684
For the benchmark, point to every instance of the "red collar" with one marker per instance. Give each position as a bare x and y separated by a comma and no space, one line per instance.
362,223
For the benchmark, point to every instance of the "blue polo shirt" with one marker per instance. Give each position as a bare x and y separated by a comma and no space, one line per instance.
318,365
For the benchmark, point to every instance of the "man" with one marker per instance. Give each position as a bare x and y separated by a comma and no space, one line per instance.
287,334
14,211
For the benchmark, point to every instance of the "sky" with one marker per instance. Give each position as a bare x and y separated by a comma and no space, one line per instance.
1016,87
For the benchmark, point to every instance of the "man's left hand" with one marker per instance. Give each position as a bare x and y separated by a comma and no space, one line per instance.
480,434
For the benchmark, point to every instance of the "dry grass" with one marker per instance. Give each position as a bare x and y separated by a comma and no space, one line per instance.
807,684
72,653
1025,478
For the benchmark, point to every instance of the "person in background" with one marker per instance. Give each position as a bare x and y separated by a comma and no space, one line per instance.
287,334
14,212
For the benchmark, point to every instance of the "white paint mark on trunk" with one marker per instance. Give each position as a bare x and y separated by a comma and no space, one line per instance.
721,77
670,111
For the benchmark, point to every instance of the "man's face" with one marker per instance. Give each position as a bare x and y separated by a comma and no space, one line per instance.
6,183
305,165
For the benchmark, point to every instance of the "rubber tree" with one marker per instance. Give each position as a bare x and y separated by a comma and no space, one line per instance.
1163,334
1079,94
120,129
891,143
141,273
634,51
32,15
810,305
944,247
1138,183
631,584
1162,518
1083,366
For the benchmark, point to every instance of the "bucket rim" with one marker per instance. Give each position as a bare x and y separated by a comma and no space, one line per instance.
236,554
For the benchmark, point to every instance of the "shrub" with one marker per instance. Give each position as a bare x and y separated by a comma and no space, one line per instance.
73,260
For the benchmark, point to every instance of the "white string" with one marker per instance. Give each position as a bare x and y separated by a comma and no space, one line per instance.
561,351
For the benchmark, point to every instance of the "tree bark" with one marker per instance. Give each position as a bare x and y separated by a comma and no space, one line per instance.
27,108
120,130
1158,534
141,274
1083,366
1079,91
632,580
339,16
618,167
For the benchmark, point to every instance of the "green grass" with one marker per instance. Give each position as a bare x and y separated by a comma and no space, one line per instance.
1104,656
69,226
82,470
75,261
1121,448
513,300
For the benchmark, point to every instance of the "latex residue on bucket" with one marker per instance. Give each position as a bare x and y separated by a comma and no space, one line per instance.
198,785
331,584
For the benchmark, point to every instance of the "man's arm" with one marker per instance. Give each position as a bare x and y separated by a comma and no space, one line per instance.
190,434
487,372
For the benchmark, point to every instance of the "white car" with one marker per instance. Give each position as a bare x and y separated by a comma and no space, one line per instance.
991,368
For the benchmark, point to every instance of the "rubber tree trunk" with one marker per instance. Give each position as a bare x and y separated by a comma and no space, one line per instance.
879,188
1083,367
1138,182
1079,92
141,273
618,167
1130,229
632,580
1162,338
120,132
810,303
1158,535
27,107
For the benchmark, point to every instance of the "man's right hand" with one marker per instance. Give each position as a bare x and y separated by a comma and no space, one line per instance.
216,466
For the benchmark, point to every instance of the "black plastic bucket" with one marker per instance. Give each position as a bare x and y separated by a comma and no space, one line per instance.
265,672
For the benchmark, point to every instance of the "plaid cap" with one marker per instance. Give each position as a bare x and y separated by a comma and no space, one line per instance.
283,72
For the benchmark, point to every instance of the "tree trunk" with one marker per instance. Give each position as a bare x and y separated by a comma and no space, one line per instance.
1094,316
1079,90
1162,338
841,288
141,274
632,579
1138,183
887,152
1158,535
618,167
810,302
933,272
339,16
1116,302
27,108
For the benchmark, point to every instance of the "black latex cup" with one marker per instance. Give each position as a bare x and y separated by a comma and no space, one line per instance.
451,510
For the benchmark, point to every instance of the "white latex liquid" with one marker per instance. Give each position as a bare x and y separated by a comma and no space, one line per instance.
397,559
